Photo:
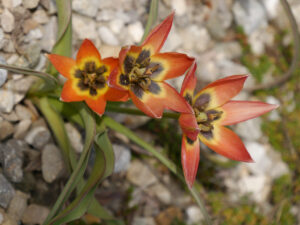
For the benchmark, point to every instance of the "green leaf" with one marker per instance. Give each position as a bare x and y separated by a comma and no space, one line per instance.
152,17
103,167
88,119
172,167
58,128
49,80
63,45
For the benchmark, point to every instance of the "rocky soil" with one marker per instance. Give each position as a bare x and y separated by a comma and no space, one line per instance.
222,35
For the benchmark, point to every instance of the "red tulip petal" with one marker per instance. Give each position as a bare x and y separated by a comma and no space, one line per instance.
87,50
170,65
158,35
97,105
189,126
116,95
225,142
189,84
220,91
190,156
69,93
64,65
238,111
118,80
160,96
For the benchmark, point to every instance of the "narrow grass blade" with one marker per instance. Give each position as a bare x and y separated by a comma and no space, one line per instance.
133,137
90,127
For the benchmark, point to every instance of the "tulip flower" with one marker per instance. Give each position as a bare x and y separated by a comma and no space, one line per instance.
212,111
143,69
87,77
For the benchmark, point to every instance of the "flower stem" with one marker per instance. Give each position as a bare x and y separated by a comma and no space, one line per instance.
168,163
113,108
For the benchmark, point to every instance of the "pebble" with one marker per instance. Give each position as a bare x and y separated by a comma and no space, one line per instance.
173,42
23,112
140,175
87,8
38,136
40,16
107,36
136,31
122,158
271,7
12,116
6,219
220,19
18,205
3,72
6,129
35,214
250,129
161,192
12,159
30,4
7,21
116,25
167,216
179,6
21,129
11,3
52,163
2,40
274,114
49,34
109,51
194,215
6,191
74,137
250,14
143,221
84,27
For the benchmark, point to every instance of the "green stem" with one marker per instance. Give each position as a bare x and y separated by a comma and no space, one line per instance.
90,127
113,108
151,18
133,137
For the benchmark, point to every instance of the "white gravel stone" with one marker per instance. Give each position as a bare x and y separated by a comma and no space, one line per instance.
143,221
23,112
3,73
116,25
274,114
107,36
136,31
87,8
40,16
140,175
2,38
250,129
161,192
122,158
75,137
11,3
30,4
194,215
38,136
84,27
21,129
179,6
271,7
250,14
49,34
52,163
6,100
173,42
7,21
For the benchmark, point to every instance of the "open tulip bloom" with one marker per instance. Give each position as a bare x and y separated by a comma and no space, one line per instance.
143,69
87,77
212,111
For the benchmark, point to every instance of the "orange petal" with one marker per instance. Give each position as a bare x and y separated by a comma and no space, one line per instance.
238,111
62,64
189,126
87,50
69,94
160,96
97,105
116,95
158,35
225,142
189,83
220,91
170,64
190,156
